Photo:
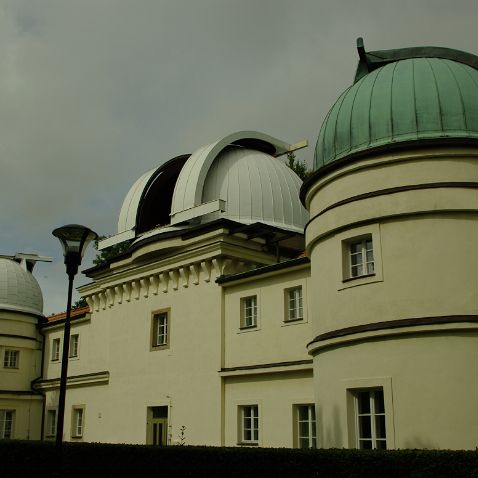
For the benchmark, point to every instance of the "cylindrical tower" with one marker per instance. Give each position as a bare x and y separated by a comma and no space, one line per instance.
21,309
393,246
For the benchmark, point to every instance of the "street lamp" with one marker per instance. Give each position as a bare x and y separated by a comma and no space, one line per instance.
74,239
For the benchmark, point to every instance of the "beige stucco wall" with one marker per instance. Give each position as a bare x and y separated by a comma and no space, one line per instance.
19,332
183,376
274,339
190,376
276,394
429,387
424,234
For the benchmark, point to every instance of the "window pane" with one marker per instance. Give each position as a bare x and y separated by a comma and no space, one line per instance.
365,428
380,426
364,402
303,412
304,429
355,247
381,444
356,259
365,444
379,402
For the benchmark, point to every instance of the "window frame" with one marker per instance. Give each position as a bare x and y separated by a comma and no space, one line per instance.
8,363
344,239
287,304
311,422
155,327
373,396
74,349
55,349
254,428
50,429
362,243
246,317
77,430
4,421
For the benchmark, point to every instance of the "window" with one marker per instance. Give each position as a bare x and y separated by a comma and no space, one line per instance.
55,350
11,359
370,418
51,423
78,419
294,304
249,312
249,424
74,344
160,330
361,257
306,435
6,423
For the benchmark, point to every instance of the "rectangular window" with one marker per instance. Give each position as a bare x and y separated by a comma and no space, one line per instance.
77,425
306,434
361,257
11,359
160,330
295,310
74,345
51,423
249,311
6,423
55,350
370,419
249,424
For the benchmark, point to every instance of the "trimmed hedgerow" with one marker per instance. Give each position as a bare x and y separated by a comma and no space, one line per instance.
40,459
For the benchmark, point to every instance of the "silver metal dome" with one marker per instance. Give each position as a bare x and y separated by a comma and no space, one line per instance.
19,290
255,187
237,177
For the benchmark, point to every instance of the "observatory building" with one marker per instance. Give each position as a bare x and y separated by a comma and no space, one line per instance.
214,327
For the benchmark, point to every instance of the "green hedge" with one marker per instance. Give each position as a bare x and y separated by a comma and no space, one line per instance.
39,459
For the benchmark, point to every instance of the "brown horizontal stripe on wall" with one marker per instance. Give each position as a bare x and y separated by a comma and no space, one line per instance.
395,324
268,365
13,336
398,189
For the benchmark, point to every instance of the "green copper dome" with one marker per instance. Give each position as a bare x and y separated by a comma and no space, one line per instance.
401,96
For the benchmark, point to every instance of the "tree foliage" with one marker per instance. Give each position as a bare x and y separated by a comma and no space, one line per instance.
79,303
299,167
110,252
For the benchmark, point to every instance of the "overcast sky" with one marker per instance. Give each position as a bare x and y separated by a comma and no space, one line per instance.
93,93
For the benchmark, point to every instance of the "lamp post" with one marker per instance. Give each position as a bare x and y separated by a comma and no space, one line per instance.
74,239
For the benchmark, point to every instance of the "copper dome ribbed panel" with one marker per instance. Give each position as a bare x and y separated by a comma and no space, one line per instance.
407,100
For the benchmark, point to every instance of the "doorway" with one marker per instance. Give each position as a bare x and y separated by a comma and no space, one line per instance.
157,433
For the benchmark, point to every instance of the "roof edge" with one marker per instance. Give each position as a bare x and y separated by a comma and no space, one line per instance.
370,61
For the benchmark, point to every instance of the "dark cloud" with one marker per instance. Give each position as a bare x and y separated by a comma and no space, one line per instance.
92,94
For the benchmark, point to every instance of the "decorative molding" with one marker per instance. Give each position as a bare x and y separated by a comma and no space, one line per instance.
276,367
155,281
184,274
372,331
170,279
95,378
145,283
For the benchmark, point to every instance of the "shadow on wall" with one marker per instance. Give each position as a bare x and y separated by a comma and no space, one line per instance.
333,434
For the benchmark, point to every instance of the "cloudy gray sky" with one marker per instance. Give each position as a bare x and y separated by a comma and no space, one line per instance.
95,92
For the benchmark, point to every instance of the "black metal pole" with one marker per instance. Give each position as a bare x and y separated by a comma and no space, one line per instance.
64,367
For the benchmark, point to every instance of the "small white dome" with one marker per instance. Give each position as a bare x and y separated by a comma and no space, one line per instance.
19,290
256,187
